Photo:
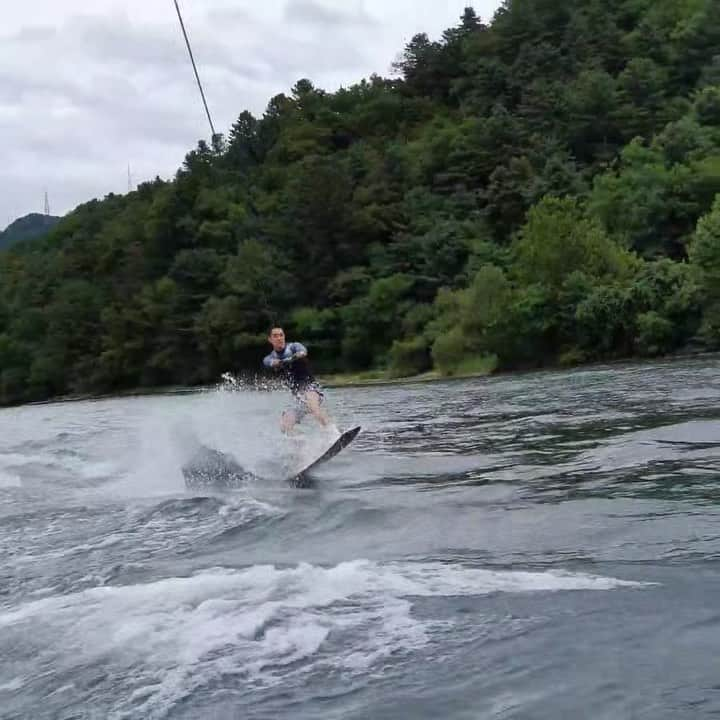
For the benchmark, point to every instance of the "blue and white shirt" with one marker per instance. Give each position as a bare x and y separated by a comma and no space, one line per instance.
296,374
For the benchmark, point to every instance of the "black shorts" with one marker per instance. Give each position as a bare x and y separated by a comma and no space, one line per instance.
300,408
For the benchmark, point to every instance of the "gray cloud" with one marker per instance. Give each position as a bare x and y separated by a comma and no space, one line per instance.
35,33
314,13
228,16
152,49
305,57
93,87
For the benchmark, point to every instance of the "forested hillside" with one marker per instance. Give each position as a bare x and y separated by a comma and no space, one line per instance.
26,228
531,191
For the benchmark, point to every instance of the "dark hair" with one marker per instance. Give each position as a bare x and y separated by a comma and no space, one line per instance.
272,327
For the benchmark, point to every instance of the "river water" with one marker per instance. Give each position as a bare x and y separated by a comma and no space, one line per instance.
532,546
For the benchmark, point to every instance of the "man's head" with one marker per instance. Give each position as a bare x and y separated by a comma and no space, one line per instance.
276,338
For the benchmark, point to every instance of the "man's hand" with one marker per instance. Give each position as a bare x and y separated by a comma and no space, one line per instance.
288,360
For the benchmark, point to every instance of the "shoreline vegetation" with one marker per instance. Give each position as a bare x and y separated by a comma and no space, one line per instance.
381,378
538,191
473,368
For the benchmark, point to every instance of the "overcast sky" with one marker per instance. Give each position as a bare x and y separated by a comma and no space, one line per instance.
87,88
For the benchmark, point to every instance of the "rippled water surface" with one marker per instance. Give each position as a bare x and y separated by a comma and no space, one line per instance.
535,546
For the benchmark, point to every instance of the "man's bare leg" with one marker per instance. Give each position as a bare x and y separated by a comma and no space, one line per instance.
287,421
312,399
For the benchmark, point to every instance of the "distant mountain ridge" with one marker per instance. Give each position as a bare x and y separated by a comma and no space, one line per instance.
27,227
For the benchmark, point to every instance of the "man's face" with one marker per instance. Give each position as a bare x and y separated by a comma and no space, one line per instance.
277,338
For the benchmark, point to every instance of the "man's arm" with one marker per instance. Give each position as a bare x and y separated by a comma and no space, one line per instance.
298,350
270,362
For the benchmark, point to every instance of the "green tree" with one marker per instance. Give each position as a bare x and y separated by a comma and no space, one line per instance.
559,239
704,252
371,323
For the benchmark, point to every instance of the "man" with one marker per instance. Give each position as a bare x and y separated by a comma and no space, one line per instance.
289,360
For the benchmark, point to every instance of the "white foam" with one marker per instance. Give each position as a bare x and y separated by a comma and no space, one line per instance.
243,424
9,480
12,685
12,460
101,469
131,448
174,635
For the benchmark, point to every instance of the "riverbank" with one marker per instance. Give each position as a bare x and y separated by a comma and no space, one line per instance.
382,377
373,378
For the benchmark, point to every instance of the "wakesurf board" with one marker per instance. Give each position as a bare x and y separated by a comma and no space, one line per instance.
302,478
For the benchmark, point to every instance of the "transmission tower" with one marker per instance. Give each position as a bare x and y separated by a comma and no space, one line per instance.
47,204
